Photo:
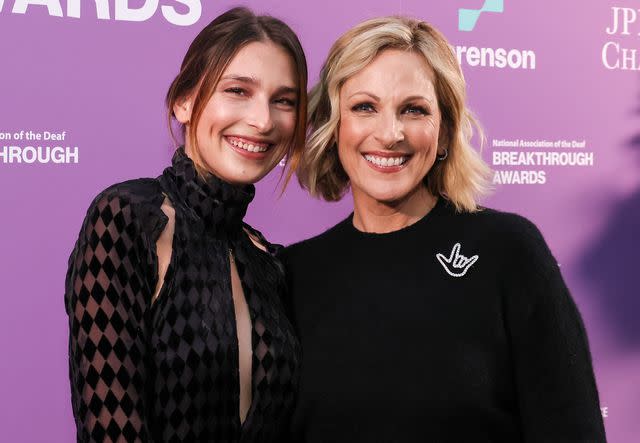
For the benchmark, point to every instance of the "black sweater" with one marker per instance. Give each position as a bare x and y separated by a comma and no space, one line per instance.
458,328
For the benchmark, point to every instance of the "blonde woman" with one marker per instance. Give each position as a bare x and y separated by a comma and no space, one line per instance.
423,316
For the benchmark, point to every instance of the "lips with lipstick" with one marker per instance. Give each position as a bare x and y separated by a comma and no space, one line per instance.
252,147
387,161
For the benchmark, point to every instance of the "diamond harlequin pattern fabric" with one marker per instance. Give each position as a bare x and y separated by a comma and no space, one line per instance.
168,370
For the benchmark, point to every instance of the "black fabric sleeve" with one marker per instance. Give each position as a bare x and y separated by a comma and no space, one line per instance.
106,295
557,394
282,256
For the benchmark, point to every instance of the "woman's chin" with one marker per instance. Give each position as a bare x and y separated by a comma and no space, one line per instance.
240,173
388,196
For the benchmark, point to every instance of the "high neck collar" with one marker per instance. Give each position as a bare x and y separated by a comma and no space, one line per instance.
221,206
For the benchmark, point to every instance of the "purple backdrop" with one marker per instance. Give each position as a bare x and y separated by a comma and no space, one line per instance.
562,74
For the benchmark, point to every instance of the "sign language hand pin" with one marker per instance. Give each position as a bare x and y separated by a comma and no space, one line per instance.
456,264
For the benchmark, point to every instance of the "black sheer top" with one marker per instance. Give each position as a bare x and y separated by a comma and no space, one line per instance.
169,370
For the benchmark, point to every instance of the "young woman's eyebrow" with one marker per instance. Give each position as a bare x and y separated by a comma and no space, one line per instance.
256,82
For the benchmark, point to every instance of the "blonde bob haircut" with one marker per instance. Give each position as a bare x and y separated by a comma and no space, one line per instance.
462,177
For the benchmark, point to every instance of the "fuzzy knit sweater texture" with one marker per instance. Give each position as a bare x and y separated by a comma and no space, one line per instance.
457,328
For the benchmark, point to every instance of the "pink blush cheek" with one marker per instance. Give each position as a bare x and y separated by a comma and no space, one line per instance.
286,126
352,134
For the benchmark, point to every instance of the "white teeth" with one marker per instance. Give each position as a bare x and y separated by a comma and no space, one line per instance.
385,161
248,146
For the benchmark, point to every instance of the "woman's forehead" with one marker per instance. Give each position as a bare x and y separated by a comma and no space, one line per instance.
393,73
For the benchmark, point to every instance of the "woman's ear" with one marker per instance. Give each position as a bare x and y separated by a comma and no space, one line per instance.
182,110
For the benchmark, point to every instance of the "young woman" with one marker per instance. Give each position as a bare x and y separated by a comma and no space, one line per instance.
424,317
177,329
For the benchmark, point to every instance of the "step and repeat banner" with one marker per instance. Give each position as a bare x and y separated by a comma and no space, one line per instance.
555,85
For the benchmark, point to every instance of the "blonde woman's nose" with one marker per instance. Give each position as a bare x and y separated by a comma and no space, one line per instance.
390,130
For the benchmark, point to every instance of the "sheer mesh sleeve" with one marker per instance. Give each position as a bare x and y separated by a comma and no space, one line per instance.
106,294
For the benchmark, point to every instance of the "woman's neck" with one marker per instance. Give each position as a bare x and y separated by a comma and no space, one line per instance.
370,215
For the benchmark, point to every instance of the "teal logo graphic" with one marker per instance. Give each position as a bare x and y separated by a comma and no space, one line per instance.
467,18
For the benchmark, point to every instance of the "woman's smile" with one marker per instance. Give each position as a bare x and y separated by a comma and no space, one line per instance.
249,147
387,162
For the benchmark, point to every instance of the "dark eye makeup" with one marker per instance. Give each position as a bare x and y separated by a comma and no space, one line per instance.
410,109
286,101
416,109
236,90
363,107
